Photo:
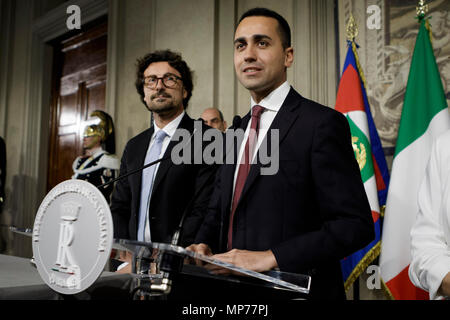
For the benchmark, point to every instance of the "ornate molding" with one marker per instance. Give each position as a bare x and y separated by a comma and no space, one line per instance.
53,23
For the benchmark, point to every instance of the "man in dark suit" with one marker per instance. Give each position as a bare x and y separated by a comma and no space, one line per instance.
149,205
313,211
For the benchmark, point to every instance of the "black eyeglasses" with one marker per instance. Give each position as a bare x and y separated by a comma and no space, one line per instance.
169,80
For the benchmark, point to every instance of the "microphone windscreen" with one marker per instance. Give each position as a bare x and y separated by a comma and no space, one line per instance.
237,121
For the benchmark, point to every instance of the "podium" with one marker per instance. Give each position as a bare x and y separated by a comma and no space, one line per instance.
72,239
162,272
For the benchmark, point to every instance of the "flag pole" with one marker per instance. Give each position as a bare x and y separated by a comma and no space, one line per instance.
352,32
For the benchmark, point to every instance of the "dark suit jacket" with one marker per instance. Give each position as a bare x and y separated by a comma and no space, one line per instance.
173,189
312,213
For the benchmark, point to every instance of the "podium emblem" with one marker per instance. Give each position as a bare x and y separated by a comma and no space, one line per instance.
72,236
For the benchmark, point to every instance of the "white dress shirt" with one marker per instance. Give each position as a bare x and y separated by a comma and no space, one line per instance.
272,104
430,235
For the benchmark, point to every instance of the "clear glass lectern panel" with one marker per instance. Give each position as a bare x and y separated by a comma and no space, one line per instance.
149,256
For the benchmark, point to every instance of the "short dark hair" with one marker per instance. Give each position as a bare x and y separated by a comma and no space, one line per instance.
175,60
283,26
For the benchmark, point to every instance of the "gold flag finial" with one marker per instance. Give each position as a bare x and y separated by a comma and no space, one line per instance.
352,28
422,9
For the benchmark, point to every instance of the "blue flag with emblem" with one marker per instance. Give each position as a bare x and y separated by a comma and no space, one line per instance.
353,103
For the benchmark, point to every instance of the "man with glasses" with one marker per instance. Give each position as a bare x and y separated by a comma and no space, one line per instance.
148,205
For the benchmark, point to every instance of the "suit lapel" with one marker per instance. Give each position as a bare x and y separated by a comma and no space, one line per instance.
283,121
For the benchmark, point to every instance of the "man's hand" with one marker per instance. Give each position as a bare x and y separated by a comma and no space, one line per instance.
258,261
444,289
200,248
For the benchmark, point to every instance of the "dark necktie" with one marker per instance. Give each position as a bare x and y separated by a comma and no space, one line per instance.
244,166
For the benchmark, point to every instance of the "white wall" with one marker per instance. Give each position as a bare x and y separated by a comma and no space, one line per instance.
202,31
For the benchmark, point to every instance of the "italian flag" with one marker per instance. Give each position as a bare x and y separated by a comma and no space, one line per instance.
425,116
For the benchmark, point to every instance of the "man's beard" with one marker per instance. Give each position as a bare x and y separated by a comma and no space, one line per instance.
159,108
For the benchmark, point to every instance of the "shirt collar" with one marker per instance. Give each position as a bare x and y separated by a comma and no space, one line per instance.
275,99
171,127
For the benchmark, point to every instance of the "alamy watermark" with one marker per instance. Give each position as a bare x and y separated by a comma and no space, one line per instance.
215,147
74,19
374,280
374,19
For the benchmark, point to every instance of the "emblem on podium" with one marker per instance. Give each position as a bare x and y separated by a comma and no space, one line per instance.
72,236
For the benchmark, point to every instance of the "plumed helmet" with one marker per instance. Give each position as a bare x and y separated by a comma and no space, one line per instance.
105,121
94,130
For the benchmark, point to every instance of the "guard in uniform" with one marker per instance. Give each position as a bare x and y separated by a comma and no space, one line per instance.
98,165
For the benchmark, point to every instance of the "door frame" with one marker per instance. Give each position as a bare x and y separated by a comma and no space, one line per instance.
39,83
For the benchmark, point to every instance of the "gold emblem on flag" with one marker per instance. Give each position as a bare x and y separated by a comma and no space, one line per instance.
360,152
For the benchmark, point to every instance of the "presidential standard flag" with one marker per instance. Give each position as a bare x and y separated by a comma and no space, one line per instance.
352,102
425,116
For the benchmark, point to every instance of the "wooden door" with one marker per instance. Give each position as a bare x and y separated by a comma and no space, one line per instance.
79,85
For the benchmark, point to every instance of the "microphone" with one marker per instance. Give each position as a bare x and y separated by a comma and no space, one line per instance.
166,283
176,235
172,264
133,171
237,121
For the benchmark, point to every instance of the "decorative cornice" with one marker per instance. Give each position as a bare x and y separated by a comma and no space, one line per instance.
53,23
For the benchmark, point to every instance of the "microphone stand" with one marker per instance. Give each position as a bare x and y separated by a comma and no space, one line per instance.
237,120
176,236
169,262
133,171
145,166
165,286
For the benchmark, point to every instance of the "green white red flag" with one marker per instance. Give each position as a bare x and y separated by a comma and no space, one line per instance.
425,116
